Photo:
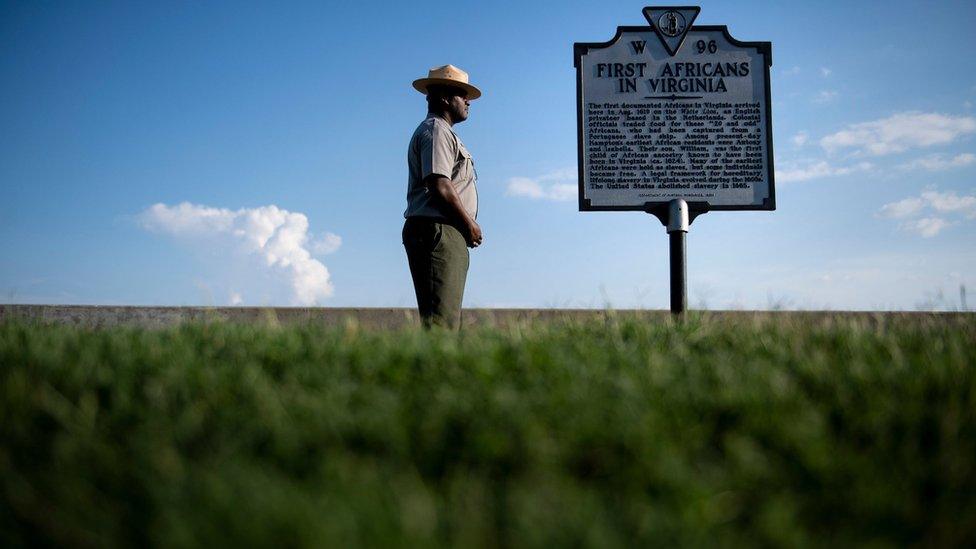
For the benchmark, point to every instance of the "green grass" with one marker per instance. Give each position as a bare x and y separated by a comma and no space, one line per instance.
773,430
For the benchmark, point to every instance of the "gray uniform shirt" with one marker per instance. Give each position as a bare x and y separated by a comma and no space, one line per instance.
436,149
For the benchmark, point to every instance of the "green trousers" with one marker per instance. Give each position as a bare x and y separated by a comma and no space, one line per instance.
438,256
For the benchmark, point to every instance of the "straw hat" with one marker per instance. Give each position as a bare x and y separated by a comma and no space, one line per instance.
448,75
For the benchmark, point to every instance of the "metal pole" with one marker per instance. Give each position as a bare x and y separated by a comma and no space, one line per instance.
677,229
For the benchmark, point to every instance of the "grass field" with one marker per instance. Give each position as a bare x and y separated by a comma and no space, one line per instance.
775,430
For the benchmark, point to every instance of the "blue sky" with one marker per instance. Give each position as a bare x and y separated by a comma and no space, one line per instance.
284,126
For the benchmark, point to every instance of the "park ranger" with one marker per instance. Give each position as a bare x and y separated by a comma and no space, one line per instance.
442,200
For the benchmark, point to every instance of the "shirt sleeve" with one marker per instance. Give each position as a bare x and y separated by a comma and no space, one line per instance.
438,151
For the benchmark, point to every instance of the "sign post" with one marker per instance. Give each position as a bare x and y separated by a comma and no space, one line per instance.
674,120
677,229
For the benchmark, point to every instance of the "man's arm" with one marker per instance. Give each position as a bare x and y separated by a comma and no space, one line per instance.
442,188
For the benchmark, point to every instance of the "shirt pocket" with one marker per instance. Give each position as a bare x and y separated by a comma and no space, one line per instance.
465,165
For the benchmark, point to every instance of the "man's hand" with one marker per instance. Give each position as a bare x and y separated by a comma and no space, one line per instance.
474,235
441,187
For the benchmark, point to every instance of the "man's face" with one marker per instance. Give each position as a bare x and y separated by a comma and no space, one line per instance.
458,105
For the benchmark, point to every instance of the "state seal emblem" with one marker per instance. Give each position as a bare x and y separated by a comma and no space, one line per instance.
671,23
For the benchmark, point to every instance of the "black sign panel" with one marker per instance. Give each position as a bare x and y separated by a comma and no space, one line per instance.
671,111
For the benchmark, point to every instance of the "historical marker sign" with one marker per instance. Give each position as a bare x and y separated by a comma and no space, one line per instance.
674,111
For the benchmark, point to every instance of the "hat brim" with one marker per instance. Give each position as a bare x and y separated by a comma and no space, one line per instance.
422,84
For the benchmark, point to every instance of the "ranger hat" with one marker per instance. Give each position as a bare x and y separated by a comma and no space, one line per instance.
448,75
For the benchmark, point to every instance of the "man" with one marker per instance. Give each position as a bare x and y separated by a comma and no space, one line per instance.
442,200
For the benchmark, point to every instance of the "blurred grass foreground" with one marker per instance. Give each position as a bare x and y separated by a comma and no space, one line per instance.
768,430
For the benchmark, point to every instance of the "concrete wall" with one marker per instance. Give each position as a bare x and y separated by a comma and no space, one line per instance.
387,318
381,318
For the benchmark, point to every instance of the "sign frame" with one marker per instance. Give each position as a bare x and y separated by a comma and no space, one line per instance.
659,208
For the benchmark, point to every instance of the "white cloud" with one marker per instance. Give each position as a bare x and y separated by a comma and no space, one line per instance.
792,71
899,132
805,171
941,202
523,186
902,208
276,236
564,191
825,72
235,298
927,227
950,202
938,162
326,244
926,214
825,96
559,186
800,139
